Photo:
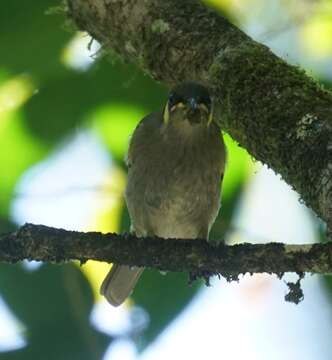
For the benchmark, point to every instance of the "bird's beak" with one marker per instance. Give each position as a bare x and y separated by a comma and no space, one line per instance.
193,113
193,104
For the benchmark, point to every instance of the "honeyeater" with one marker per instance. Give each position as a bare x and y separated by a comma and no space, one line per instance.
176,162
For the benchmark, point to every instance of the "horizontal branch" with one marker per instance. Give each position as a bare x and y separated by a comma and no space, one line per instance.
43,243
274,110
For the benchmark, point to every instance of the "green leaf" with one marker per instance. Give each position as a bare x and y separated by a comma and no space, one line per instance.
66,102
115,124
54,304
31,39
18,150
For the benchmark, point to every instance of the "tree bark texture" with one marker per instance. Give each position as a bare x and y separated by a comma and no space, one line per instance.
42,243
274,110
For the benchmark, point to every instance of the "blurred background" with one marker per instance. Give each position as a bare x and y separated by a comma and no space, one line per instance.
67,110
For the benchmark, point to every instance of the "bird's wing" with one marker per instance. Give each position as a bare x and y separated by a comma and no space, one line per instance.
142,132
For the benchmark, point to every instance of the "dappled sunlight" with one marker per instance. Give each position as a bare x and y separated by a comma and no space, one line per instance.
239,165
66,184
80,52
18,150
316,36
109,203
271,211
11,337
14,92
115,124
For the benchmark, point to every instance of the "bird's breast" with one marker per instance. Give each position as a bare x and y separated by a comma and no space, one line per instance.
173,188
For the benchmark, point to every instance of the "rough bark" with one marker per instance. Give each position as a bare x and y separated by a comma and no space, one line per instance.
274,110
42,243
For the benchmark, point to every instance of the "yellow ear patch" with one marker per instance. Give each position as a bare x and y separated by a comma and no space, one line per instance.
210,116
203,107
166,111
166,114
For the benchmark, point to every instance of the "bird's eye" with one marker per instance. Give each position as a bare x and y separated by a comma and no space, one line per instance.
206,100
173,99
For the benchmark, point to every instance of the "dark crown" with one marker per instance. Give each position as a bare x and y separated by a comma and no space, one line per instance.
189,90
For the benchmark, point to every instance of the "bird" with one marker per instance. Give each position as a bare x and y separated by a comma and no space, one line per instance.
176,161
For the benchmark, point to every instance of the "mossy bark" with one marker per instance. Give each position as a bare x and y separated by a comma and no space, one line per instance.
274,110
43,243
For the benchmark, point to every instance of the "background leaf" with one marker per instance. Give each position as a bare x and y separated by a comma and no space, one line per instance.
53,303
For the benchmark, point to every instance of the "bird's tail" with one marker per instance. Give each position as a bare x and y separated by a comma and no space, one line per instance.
119,283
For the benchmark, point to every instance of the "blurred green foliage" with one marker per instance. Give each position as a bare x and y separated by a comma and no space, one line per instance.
54,305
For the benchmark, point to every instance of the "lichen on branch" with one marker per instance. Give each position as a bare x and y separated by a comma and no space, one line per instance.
43,243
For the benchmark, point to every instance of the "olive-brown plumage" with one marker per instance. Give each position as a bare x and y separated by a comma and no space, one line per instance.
176,161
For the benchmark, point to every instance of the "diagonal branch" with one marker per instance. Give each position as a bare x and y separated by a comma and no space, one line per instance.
280,115
42,243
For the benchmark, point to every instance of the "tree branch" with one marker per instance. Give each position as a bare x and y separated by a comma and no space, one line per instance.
42,243
280,115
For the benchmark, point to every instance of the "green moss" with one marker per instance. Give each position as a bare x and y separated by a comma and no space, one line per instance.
265,105
159,26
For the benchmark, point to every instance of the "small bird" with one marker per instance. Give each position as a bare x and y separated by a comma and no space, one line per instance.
176,162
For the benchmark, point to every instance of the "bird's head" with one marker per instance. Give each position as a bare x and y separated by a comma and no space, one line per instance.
190,102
